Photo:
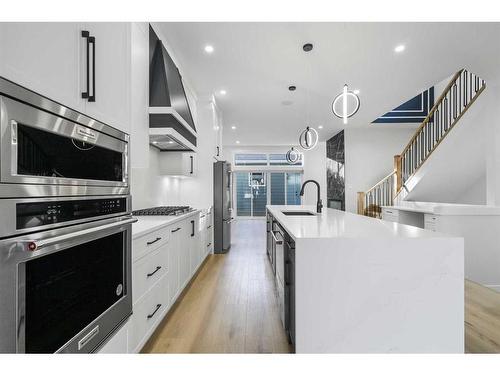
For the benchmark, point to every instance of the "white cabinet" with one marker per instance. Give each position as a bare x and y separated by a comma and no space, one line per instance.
430,222
174,163
118,343
173,260
390,215
164,262
112,73
148,313
45,58
51,59
184,250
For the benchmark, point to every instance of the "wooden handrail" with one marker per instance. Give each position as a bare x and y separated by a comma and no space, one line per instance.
433,109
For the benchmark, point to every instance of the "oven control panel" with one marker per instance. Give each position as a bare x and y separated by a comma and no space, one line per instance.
35,214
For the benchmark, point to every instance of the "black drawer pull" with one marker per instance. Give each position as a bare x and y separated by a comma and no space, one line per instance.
175,230
154,312
202,216
156,270
209,227
209,244
152,242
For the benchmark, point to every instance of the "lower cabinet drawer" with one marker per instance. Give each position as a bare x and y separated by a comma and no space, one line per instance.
390,215
148,270
147,313
149,242
430,222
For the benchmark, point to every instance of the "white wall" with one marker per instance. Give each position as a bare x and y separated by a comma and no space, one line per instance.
149,188
369,156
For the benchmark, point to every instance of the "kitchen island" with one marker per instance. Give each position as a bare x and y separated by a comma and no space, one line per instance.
363,285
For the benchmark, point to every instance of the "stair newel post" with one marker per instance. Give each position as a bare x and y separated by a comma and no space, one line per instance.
361,202
398,168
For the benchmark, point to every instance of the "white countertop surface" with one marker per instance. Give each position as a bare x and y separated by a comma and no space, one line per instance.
148,224
446,208
339,224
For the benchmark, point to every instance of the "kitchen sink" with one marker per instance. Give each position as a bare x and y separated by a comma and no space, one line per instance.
297,213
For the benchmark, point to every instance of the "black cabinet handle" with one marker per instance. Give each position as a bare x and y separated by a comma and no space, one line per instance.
210,243
90,40
152,242
209,227
192,228
192,160
175,230
218,151
152,273
154,312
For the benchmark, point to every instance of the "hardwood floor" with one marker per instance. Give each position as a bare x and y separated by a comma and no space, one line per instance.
230,306
482,319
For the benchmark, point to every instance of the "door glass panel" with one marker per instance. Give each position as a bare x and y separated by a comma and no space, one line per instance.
67,290
293,185
243,195
41,153
278,188
259,200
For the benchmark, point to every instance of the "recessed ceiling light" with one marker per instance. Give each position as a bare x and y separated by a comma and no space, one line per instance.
222,92
399,48
307,47
356,92
170,142
237,142
209,48
216,127
233,127
320,127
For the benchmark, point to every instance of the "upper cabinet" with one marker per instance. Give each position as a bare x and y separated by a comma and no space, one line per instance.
112,72
44,57
51,59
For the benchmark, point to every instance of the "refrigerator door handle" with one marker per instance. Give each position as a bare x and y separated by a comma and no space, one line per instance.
228,221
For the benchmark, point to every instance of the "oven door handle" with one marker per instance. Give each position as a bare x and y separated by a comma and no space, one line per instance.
38,245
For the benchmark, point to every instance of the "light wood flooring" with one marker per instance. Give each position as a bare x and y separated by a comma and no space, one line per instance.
482,319
230,306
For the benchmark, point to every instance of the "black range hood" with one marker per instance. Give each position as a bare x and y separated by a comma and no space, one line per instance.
171,125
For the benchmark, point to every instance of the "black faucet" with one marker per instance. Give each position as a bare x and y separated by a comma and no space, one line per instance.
319,204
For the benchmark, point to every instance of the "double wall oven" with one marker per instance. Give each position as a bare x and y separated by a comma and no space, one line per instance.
65,228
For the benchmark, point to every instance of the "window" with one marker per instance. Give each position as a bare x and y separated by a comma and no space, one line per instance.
265,160
250,159
280,159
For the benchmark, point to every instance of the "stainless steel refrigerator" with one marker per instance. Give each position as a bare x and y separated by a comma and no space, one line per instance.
223,210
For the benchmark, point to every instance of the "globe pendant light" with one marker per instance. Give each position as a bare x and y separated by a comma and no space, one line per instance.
344,97
308,139
292,156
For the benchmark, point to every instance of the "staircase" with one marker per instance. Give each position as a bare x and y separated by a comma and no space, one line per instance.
457,97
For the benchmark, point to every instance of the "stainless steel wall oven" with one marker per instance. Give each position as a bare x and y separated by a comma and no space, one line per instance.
65,227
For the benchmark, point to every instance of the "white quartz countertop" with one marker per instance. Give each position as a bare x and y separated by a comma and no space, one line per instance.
339,224
148,224
446,208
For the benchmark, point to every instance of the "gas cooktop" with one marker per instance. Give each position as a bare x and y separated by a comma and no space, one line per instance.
163,211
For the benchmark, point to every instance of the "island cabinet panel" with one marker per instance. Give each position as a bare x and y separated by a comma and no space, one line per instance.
379,296
362,285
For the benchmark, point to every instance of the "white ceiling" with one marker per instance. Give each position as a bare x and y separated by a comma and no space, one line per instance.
256,62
